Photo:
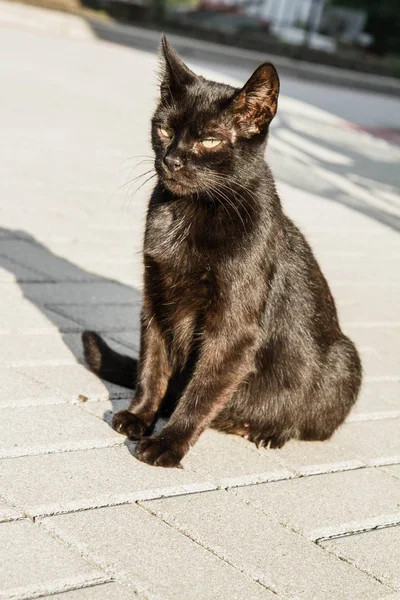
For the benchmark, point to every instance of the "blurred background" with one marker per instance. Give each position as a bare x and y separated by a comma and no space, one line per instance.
357,34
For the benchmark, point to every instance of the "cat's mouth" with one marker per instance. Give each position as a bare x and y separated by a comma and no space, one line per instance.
180,185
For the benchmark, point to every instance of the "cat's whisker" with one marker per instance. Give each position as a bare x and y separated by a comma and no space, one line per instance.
132,168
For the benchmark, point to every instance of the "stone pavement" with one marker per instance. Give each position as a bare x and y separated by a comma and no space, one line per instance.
80,517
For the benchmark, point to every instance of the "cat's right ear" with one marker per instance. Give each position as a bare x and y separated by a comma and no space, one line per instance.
175,75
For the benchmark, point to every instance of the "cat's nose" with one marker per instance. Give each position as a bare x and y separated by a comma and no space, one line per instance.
173,162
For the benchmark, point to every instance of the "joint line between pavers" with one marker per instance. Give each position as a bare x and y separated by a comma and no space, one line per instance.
83,552
64,589
29,268
365,571
150,494
316,542
90,445
395,522
206,548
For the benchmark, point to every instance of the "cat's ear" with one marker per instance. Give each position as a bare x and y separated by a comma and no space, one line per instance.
175,75
255,105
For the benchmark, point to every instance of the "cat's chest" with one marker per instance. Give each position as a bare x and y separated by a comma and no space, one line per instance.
182,241
186,270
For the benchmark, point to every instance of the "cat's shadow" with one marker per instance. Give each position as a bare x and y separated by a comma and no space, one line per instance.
38,287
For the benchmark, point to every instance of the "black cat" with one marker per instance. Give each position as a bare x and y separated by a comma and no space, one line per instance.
239,330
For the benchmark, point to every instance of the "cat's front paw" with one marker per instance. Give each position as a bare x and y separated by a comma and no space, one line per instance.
158,452
129,424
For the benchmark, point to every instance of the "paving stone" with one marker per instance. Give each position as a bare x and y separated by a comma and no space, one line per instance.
376,304
372,442
32,319
33,563
355,444
25,350
377,397
131,339
18,389
11,271
95,249
102,317
59,428
44,349
40,259
215,457
266,551
156,559
393,470
76,380
326,505
376,346
228,461
28,314
53,483
307,458
366,244
81,293
105,409
60,323
125,273
8,512
7,235
374,552
106,591
367,270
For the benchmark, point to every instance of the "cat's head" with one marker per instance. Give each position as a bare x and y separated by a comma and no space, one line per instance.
207,134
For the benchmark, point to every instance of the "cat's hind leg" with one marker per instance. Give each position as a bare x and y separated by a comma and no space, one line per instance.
337,392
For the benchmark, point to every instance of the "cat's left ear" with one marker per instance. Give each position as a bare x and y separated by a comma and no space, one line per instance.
256,103
175,74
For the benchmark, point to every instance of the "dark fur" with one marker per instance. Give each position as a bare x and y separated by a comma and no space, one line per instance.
239,330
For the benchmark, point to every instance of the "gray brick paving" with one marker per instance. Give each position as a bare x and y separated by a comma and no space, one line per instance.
382,303
156,559
385,436
374,552
76,293
376,348
8,512
70,258
106,591
57,428
11,271
74,380
34,563
268,552
18,389
393,470
221,459
377,398
327,505
107,317
25,350
51,483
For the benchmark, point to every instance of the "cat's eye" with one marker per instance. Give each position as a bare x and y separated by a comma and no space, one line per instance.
211,143
166,132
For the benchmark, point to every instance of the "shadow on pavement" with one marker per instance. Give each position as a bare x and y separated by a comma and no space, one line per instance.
46,272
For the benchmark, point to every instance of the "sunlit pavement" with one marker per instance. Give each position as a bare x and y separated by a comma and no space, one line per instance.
80,517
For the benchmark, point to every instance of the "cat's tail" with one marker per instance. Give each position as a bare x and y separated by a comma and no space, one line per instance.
108,364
